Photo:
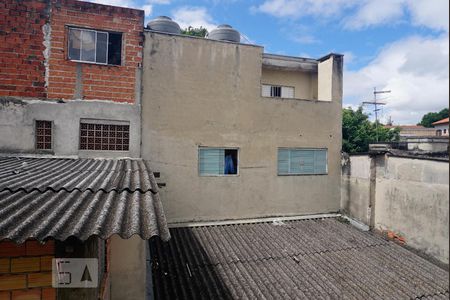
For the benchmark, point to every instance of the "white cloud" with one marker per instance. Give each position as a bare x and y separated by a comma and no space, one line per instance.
147,6
300,8
430,13
373,12
148,9
415,69
193,16
360,14
122,3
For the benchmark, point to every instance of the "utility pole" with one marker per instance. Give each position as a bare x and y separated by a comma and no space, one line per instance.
375,103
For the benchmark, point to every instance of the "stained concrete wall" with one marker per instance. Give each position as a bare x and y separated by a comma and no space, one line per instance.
128,269
304,83
355,189
198,92
17,125
409,197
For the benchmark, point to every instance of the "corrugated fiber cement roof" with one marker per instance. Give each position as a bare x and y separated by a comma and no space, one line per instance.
308,259
57,198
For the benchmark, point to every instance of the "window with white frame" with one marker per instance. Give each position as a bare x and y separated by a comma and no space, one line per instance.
94,46
217,161
277,91
302,161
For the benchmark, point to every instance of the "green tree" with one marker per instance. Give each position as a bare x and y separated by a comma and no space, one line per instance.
432,117
199,32
358,131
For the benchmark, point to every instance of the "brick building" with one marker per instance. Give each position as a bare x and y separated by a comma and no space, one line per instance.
64,52
70,86
25,270
35,37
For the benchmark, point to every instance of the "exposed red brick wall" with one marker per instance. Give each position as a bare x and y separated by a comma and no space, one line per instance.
25,270
22,62
22,69
115,83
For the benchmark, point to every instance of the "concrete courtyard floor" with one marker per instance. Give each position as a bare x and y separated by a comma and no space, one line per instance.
306,259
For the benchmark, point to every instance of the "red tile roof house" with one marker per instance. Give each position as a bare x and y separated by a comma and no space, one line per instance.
412,130
72,184
441,127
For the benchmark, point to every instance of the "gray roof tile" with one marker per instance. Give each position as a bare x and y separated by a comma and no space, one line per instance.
42,174
309,259
44,198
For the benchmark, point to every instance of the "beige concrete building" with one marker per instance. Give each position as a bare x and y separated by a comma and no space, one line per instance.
237,133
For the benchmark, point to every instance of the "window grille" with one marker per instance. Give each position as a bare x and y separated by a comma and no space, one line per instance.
43,135
104,137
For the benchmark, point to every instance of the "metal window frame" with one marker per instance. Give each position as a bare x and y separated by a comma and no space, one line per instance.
272,91
219,148
81,46
302,174
276,85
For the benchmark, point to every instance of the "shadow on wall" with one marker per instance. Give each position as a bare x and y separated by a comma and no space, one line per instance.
191,276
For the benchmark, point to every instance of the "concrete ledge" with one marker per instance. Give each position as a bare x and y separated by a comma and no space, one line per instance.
250,221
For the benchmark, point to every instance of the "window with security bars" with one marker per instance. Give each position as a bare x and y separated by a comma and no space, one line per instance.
104,137
301,161
43,135
277,91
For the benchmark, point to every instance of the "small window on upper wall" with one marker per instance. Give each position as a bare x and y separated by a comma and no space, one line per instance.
95,46
43,135
218,161
275,91
300,161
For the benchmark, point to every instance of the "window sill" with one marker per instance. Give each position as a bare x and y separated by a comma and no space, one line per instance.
93,63
104,151
296,99
212,175
321,174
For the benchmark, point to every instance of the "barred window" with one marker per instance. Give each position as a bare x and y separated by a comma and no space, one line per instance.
43,135
104,137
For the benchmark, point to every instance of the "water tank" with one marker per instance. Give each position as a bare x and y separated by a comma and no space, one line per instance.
164,24
225,33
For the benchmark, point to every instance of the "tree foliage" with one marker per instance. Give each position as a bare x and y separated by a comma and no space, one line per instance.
432,117
199,32
358,131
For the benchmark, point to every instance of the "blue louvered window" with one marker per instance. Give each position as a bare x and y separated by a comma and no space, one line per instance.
298,161
218,161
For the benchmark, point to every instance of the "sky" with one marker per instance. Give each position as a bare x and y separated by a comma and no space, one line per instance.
396,45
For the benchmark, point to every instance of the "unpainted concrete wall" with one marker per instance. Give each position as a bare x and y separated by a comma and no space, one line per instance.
128,269
198,92
411,199
355,189
17,125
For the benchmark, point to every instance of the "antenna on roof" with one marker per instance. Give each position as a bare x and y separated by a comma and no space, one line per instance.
375,102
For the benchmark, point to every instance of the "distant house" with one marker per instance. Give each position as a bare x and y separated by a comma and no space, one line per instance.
413,130
441,127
